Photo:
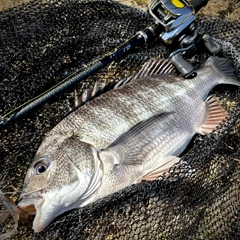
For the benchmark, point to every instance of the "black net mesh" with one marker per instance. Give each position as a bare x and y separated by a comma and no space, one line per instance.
41,43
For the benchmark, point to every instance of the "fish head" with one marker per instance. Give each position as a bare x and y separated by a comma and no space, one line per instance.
63,176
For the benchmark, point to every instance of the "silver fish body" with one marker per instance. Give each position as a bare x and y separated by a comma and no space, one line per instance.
128,134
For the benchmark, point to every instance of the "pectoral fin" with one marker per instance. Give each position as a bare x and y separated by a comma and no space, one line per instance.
129,146
216,113
141,129
167,162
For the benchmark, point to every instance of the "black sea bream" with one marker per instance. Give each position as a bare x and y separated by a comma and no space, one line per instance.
125,135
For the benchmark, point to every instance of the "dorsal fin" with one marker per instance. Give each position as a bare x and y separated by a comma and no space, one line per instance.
155,67
152,68
96,91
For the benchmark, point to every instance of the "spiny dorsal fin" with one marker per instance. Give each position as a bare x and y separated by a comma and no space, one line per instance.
87,94
96,91
152,68
155,67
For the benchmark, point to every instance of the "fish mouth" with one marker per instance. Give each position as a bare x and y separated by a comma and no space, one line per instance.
27,201
41,204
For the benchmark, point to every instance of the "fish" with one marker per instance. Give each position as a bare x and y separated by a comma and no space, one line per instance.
131,133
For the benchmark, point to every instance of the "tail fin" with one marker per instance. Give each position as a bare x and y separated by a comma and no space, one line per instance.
226,67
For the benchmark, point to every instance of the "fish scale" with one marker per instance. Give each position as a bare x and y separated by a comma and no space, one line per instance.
132,133
113,117
146,158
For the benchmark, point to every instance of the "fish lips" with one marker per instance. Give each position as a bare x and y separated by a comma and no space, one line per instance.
27,202
27,206
32,204
45,205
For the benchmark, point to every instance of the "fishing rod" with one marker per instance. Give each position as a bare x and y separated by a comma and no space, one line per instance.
174,24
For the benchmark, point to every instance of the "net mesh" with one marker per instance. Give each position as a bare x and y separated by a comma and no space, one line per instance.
42,42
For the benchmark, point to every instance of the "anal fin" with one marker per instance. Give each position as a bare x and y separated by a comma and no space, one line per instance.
216,113
168,162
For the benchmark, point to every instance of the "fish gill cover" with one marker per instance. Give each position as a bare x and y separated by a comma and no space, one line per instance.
41,43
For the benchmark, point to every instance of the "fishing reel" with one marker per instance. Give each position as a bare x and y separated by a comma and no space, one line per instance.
174,24
174,16
179,30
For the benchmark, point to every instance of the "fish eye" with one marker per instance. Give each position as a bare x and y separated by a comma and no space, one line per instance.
41,169
41,166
